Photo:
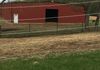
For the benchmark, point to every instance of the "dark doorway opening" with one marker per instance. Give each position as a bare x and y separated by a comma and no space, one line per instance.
51,15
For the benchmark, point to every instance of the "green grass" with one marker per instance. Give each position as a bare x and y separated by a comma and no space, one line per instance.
2,21
76,61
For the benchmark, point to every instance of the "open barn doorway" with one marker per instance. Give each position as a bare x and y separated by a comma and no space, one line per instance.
51,15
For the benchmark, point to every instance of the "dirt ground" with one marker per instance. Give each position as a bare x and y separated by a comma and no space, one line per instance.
26,47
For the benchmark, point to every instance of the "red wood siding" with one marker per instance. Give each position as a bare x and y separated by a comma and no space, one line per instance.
36,14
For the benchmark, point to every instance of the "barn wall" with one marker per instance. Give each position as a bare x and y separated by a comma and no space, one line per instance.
30,14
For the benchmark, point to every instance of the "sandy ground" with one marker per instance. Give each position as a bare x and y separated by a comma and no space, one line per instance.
26,47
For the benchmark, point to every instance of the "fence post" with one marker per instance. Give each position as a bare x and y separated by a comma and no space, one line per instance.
29,27
83,27
57,26
0,30
97,23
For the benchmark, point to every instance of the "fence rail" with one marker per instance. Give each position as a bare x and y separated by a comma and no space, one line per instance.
6,29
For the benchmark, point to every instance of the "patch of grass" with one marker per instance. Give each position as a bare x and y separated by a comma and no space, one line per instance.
2,21
75,61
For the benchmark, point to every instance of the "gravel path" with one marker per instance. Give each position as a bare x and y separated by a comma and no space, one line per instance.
24,47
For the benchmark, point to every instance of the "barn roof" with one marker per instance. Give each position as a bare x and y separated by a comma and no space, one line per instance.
43,3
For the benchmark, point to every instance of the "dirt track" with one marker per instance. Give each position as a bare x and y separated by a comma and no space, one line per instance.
22,47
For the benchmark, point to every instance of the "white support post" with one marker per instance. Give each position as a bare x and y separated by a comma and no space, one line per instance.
15,19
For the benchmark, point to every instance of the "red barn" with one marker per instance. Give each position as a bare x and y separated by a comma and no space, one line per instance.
43,12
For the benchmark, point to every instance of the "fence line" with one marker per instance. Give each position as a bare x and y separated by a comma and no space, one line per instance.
55,30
